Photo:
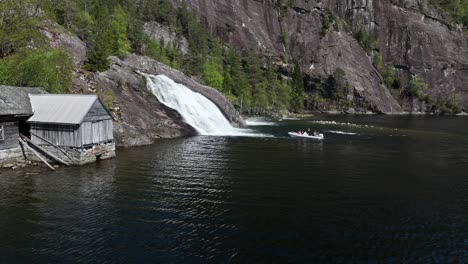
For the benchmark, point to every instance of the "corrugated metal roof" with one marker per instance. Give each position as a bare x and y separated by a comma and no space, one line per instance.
61,109
15,100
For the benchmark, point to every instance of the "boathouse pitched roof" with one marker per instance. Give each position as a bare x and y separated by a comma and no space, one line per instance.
15,101
63,109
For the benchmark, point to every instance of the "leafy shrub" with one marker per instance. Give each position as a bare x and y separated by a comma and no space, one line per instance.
367,42
51,69
417,88
450,104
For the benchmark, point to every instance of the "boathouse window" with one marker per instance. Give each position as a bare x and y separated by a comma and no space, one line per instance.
2,133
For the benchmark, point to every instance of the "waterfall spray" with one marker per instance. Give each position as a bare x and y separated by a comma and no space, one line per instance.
195,109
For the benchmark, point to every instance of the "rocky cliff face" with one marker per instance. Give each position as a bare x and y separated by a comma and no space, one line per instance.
419,42
166,36
411,35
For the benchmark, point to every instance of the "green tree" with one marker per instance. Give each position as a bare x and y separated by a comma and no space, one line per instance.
18,26
212,75
98,54
366,40
297,98
83,25
235,79
259,93
389,76
161,11
213,67
253,68
457,9
64,11
51,69
120,45
5,74
284,95
417,88
337,85
103,42
378,62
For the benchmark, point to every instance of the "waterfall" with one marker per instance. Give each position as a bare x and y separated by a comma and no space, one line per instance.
195,109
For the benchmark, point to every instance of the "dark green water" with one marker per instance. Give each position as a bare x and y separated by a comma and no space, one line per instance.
396,192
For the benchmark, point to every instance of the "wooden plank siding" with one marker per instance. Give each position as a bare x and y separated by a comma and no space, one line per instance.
60,135
97,132
72,135
10,135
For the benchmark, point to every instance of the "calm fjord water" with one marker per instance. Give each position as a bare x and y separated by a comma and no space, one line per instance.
396,192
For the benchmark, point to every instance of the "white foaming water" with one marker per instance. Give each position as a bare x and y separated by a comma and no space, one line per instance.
259,122
195,109
341,132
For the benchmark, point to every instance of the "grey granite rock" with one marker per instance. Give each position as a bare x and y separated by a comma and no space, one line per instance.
412,35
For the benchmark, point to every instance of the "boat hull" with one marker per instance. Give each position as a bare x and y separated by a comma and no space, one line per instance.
296,135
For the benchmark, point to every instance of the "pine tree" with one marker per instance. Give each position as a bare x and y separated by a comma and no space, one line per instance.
253,69
101,48
297,98
120,45
18,26
213,67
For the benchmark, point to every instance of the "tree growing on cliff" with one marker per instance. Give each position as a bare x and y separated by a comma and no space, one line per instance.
457,9
279,91
119,24
213,67
337,85
366,40
18,26
417,88
98,54
297,98
83,25
235,79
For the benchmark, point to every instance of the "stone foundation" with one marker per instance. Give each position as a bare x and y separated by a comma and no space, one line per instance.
79,156
11,156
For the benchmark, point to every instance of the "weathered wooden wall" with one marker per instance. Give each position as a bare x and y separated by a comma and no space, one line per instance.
73,135
11,135
97,132
61,135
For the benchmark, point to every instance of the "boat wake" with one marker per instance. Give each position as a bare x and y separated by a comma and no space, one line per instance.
325,122
341,132
259,122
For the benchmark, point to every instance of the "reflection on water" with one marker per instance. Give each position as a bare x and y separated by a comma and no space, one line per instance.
375,197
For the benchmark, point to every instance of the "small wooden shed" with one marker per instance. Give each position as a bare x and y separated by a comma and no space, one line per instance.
15,109
74,121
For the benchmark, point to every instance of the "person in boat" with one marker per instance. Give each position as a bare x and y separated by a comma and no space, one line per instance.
315,133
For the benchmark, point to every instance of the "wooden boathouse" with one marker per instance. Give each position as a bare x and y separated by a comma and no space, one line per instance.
79,125
15,109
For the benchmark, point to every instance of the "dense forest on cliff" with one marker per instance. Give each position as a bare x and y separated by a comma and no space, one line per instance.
115,27
457,10
251,81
